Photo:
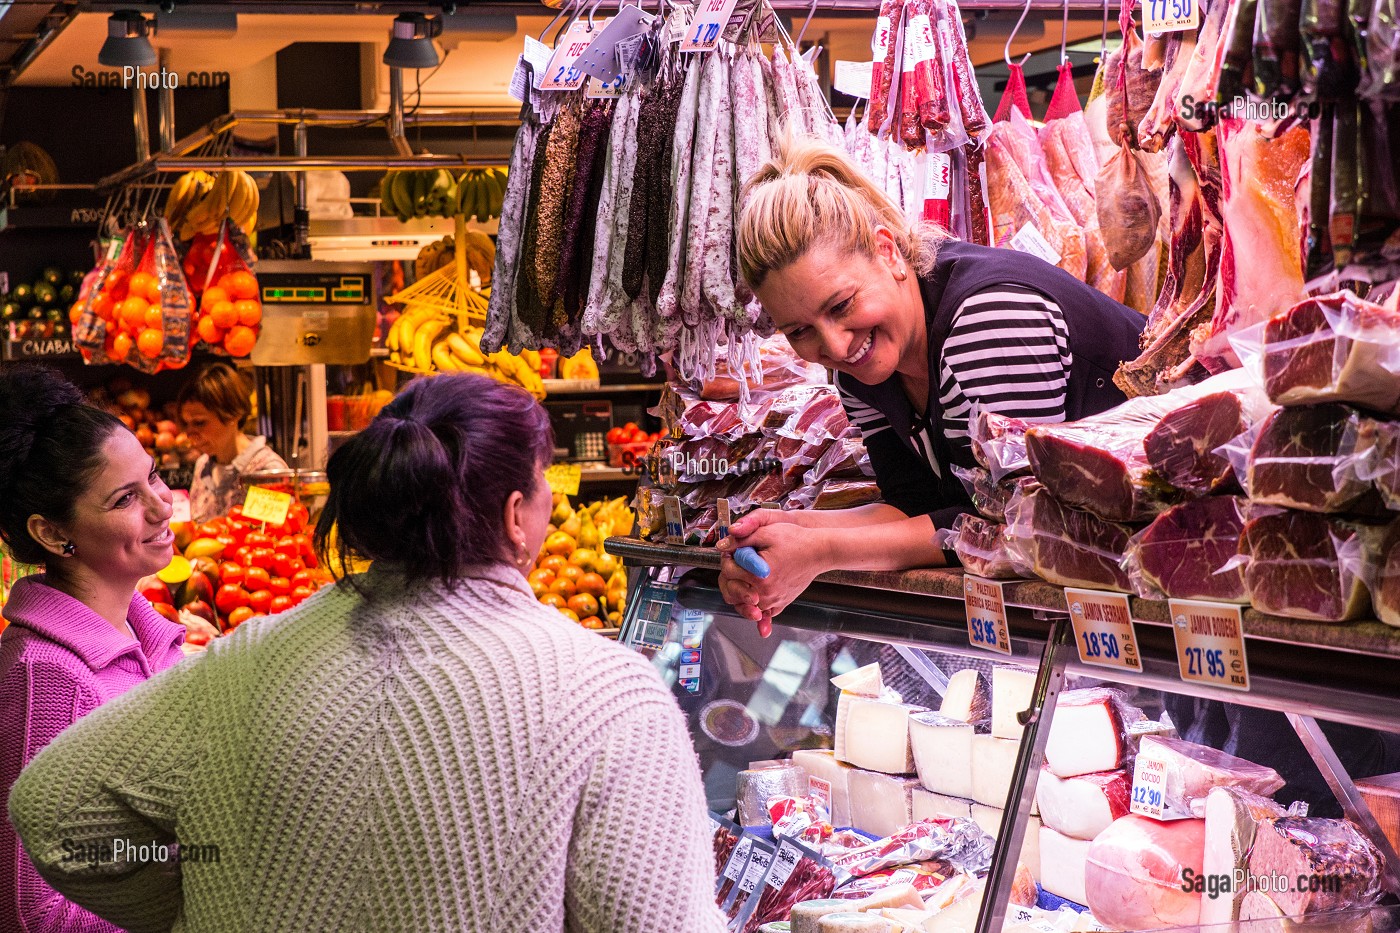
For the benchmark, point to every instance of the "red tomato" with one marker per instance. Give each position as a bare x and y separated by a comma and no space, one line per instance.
304,578
229,572
311,561
241,554
280,586
300,593
630,427
260,600
235,514
262,557
230,597
297,517
617,436
238,616
256,539
256,578
305,547
288,546
280,604
239,533
287,566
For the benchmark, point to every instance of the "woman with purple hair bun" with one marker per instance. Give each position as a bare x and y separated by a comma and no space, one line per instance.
422,746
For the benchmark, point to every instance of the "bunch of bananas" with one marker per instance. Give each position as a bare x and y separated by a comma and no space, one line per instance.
578,366
427,340
436,193
480,255
481,193
199,202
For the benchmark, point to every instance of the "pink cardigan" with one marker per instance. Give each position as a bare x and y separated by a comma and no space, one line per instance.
59,661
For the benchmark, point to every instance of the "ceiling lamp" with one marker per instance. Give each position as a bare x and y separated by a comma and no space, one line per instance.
126,43
411,41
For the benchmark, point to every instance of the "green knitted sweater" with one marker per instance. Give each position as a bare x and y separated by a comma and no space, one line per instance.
449,761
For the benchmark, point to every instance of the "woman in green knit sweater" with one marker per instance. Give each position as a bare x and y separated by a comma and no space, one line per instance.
421,747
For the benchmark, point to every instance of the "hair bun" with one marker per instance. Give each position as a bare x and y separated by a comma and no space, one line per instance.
30,396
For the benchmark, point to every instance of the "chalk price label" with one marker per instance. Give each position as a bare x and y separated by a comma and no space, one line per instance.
1170,15
1103,629
561,75
986,615
703,33
1210,643
266,505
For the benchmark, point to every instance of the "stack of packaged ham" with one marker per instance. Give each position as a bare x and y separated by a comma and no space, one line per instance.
783,441
897,825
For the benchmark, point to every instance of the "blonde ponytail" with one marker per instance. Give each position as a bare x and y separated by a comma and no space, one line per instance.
811,193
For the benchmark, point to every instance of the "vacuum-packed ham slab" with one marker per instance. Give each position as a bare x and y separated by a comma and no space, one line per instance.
1347,865
1102,464
1064,545
1338,348
1232,819
1387,595
1305,565
1181,555
1135,870
1311,458
1191,771
982,548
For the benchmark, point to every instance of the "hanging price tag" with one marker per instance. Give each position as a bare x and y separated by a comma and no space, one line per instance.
266,505
1210,643
561,75
853,79
1103,629
608,90
703,33
563,478
181,507
1170,15
986,615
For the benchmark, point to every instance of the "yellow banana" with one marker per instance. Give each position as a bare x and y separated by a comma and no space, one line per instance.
407,324
468,347
423,342
443,359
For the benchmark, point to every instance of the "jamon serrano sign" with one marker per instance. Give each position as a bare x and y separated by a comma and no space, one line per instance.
1210,643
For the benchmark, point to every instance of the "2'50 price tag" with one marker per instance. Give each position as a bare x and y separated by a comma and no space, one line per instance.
561,75
986,615
1210,643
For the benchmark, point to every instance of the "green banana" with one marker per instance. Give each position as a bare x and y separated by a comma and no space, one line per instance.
402,188
498,195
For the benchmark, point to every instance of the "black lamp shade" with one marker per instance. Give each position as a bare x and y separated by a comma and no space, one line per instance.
411,43
126,43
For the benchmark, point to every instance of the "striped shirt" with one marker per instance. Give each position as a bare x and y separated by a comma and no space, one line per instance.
1007,352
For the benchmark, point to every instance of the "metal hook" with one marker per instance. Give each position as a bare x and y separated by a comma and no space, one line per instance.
1064,35
812,11
1103,36
563,10
591,10
1006,52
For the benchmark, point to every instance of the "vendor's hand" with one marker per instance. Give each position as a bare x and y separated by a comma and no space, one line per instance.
794,554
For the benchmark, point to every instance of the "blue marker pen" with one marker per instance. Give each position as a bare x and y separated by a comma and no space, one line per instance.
748,558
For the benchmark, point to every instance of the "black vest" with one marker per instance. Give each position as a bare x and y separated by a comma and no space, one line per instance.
1102,335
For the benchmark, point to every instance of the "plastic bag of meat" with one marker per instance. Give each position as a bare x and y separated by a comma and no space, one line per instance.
1387,587
1232,816
1064,545
1101,463
845,458
998,443
1183,448
981,547
1309,458
959,843
1309,566
1129,210
1189,771
1338,348
1130,85
778,367
988,497
726,835
1025,215
1135,869
835,494
1182,553
1346,864
1382,467
799,873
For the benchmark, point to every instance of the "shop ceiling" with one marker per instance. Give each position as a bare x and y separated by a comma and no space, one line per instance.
42,43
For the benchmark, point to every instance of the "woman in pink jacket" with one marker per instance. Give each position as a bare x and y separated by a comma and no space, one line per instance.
80,496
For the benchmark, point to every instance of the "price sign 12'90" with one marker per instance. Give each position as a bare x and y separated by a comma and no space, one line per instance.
708,24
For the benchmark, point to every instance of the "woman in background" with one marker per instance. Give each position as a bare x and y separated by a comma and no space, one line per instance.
83,499
213,407
423,746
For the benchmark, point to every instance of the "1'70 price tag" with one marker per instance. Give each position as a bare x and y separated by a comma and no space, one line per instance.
711,16
1103,629
1170,15
1210,643
986,615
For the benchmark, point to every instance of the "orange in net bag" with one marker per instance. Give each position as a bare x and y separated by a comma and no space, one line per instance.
230,307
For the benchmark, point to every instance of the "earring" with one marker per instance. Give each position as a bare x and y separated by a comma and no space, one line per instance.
900,274
524,559
69,549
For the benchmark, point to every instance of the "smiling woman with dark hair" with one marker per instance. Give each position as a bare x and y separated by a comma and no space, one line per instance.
423,746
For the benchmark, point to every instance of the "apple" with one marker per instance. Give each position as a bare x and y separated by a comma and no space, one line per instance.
202,609
198,588
155,591
167,610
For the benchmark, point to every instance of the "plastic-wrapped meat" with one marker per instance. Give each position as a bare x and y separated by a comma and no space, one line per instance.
798,874
1309,566
982,549
846,494
988,496
1261,265
1191,771
1338,348
999,443
1309,847
1309,458
1182,448
1069,155
882,48
1180,555
1382,467
952,42
1387,589
1066,546
1135,871
1017,168
1128,208
1129,98
846,458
